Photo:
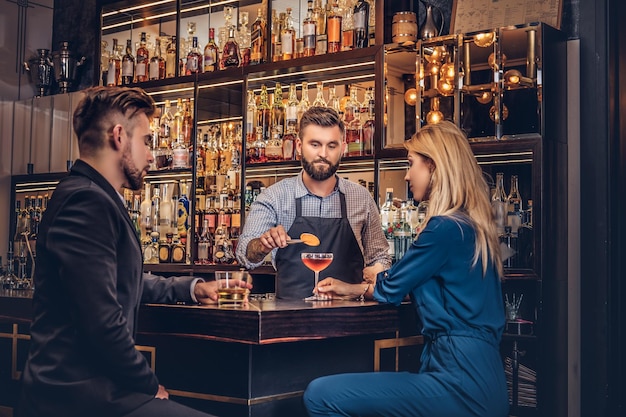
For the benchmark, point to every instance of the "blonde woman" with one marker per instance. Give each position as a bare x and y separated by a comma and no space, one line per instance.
452,274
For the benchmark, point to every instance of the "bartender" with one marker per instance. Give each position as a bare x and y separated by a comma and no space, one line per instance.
342,214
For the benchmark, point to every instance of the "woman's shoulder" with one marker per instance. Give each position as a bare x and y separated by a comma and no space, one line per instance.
453,225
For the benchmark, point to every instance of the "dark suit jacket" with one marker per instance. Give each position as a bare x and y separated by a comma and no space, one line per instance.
89,283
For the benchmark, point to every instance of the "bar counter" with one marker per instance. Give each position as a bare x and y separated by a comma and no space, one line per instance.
254,360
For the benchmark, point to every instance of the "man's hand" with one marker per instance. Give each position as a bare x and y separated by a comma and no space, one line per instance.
336,288
162,394
206,292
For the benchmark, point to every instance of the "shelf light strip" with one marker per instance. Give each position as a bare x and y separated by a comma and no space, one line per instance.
178,90
504,162
334,68
226,119
202,87
141,19
130,9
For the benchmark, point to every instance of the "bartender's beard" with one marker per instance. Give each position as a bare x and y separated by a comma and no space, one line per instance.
319,174
134,176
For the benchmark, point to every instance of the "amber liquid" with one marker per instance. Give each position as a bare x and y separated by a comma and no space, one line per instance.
231,295
317,264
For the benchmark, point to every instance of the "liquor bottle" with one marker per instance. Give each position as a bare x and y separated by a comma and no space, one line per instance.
319,15
361,24
304,103
170,59
143,58
264,113
244,39
498,203
135,214
166,210
387,214
354,129
343,100
288,37
211,210
222,248
128,65
514,212
274,147
276,46
368,126
289,143
183,213
258,147
145,210
179,252
151,250
156,67
165,249
194,58
347,27
104,62
291,109
251,117
180,154
258,39
156,209
319,97
309,31
333,100
115,66
163,158
402,235
235,225
177,126
211,53
278,112
204,244
230,55
187,122
333,29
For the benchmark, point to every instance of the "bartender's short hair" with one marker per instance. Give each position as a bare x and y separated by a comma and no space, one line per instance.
321,116
95,115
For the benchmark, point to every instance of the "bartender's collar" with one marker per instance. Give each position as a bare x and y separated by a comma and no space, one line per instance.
301,189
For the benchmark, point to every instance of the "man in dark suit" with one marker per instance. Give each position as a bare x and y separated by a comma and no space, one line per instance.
89,279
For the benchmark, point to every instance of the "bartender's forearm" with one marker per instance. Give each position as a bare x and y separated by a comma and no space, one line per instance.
256,251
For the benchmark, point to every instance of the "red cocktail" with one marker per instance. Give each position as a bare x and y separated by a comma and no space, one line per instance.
316,262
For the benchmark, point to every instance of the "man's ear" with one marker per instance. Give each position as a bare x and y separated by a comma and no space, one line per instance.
116,137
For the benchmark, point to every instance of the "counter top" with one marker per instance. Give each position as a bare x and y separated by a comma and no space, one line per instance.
260,322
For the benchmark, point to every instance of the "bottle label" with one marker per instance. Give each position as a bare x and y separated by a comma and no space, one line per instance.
192,63
154,70
180,158
127,68
140,68
360,19
286,40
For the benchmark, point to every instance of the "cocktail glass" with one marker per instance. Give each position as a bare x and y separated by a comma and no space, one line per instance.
316,262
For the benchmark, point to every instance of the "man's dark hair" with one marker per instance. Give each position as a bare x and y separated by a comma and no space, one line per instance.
93,118
321,116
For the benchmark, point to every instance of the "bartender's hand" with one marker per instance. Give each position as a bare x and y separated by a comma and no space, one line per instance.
162,394
370,272
336,288
276,237
258,248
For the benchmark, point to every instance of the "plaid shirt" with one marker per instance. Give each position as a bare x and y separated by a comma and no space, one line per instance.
277,205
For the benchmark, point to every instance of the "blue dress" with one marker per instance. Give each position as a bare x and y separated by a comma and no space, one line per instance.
462,314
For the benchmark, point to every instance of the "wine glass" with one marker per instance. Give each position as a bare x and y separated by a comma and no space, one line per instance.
316,262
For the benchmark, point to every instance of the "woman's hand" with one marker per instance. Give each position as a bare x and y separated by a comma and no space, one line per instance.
336,288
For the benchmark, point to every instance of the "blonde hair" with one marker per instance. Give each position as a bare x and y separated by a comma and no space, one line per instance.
458,186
